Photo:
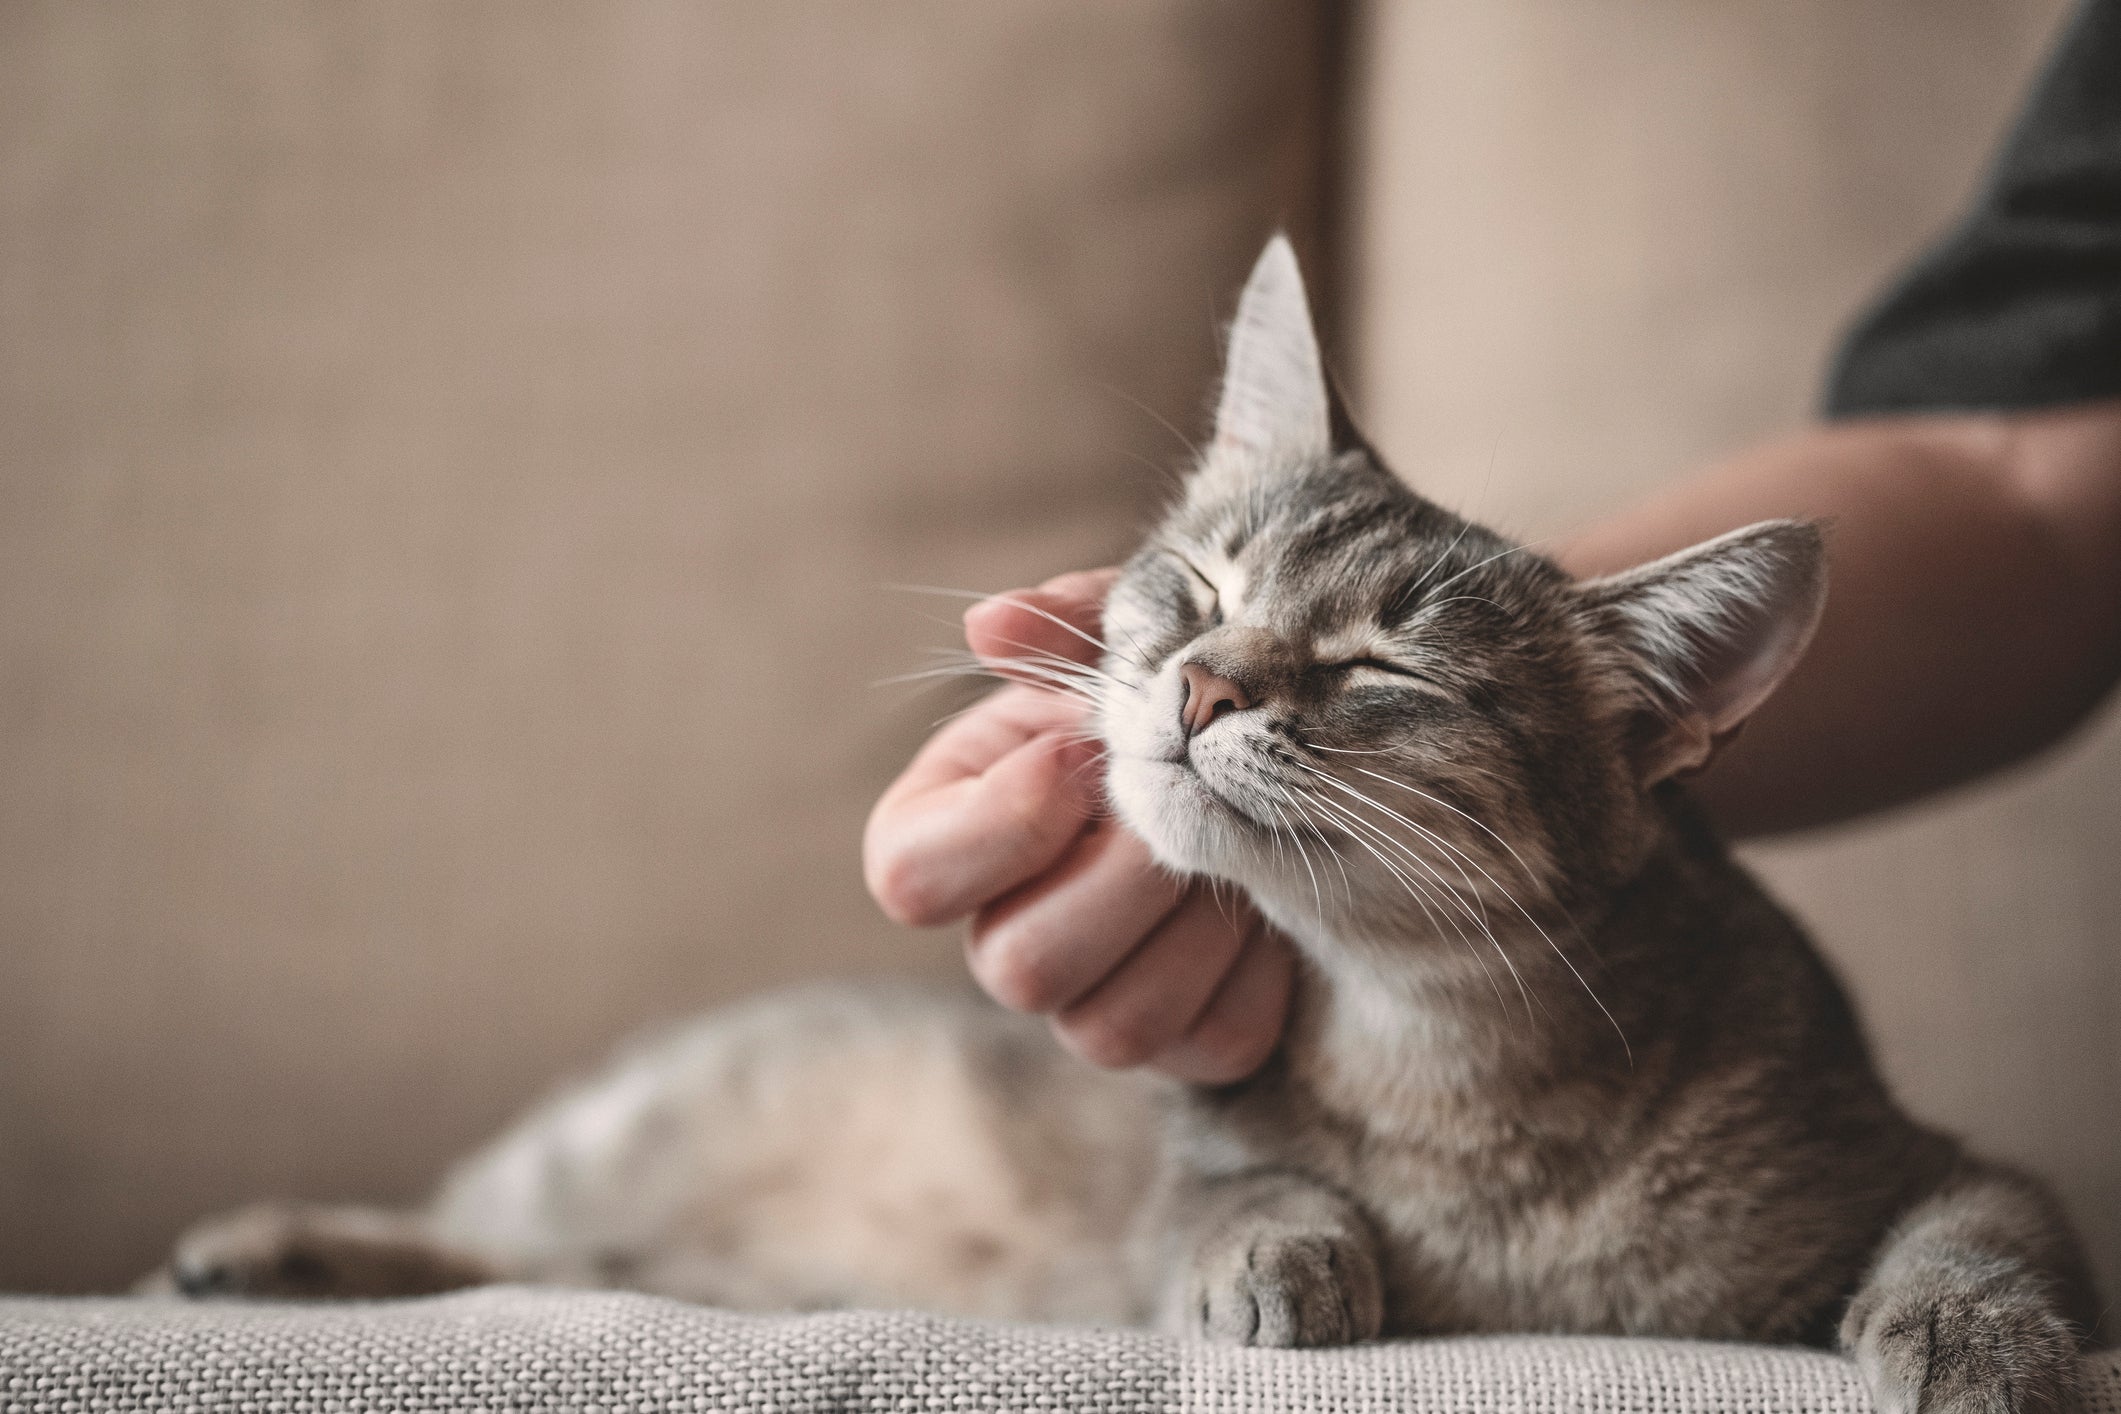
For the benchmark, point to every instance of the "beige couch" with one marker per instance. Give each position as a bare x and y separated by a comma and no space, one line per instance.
452,459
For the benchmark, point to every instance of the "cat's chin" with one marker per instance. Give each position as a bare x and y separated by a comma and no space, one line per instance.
1187,826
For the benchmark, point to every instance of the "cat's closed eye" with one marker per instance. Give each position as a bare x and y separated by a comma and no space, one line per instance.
1213,614
1377,664
1344,669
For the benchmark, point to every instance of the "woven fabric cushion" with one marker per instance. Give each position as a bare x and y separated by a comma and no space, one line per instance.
524,1349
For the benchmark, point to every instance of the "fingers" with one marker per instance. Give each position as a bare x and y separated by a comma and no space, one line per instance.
1049,943
980,737
1023,621
1153,997
1072,918
992,800
996,797
1242,1023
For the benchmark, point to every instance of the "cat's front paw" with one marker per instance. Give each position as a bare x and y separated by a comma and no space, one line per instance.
257,1251
1283,1286
1962,1351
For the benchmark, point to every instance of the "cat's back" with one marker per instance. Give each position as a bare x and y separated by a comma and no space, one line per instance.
890,1143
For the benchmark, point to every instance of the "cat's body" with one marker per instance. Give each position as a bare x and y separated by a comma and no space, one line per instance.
881,1145
1555,1062
1744,1148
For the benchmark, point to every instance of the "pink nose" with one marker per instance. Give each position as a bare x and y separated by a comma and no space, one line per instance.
1208,696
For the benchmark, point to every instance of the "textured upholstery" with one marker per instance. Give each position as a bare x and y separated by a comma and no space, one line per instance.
533,1351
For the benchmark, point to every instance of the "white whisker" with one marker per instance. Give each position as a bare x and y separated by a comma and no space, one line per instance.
1479,919
1512,898
1317,897
1499,555
1347,886
1055,619
1421,895
1434,565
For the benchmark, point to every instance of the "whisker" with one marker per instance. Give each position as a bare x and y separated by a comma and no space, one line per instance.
1317,898
1530,877
1215,892
1352,751
1347,886
1427,834
1473,820
1499,555
1055,619
1030,676
1421,896
1161,421
1429,604
1040,667
1178,482
1411,590
1478,919
1055,660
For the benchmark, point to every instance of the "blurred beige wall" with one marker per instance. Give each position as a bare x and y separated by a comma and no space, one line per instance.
1598,242
451,458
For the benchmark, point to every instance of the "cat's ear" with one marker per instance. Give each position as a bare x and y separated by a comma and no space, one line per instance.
1704,636
1275,401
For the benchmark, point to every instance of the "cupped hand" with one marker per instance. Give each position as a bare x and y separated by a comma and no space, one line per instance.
999,819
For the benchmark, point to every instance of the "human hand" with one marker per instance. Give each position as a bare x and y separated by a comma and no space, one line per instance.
999,818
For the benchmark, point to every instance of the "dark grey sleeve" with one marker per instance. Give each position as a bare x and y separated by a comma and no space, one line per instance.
2020,305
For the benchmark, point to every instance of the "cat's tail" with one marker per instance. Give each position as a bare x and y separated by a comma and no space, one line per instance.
277,1252
1979,1300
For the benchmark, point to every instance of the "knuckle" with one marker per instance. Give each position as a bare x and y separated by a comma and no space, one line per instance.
1112,1038
1024,816
1228,1044
1016,970
905,891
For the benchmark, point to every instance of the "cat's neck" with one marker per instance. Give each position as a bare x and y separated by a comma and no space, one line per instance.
1391,1031
1428,1017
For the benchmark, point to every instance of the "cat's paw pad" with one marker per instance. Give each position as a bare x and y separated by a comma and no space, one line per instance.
1284,1287
257,1252
1962,1352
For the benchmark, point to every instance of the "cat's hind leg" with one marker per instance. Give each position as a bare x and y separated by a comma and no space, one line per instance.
287,1251
1977,1302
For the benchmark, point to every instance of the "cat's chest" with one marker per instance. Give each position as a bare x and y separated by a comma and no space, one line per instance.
1517,1235
1492,1216
1561,1215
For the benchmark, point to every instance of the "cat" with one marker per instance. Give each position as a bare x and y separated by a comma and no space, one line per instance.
1555,1062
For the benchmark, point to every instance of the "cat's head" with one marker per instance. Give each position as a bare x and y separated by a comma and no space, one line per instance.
1385,721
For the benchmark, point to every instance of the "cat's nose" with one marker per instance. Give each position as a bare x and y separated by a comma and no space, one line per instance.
1207,696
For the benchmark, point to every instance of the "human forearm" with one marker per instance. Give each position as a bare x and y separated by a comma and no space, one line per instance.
1975,613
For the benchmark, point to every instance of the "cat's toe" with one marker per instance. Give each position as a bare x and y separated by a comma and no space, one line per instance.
1963,1352
1285,1288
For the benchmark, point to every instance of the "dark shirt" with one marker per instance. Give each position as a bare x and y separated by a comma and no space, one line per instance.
2020,305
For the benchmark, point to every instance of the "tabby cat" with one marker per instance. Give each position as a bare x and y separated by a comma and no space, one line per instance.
1556,1063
